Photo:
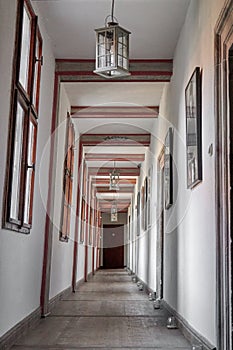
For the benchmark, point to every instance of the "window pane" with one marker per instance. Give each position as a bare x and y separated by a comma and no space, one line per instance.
35,87
25,50
64,221
37,73
30,173
17,163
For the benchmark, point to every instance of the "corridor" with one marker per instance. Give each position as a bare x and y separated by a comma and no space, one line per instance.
108,312
116,121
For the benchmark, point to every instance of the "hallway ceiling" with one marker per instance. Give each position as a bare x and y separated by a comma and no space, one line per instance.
101,158
155,25
114,93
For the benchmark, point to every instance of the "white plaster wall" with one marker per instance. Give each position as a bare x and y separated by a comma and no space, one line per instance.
80,262
89,259
190,242
62,252
146,242
21,255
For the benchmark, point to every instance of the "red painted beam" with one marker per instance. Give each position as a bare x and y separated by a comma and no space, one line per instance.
105,171
45,283
97,181
116,139
105,189
114,157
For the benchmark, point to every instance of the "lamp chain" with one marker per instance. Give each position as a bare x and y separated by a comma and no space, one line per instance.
113,3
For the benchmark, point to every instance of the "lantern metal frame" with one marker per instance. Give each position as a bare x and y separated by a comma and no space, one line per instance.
112,49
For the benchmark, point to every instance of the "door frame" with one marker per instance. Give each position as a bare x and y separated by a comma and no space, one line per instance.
160,226
223,41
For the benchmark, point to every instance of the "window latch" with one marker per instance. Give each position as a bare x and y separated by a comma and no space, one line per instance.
31,167
41,60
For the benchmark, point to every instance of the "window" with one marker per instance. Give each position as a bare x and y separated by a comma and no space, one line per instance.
23,121
68,182
84,206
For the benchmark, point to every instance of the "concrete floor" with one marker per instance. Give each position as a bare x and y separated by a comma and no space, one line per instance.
108,312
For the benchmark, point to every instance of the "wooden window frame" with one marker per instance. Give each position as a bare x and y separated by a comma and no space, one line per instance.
23,98
67,182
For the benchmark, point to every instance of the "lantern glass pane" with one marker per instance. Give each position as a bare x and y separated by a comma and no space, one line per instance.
122,49
101,50
125,63
110,48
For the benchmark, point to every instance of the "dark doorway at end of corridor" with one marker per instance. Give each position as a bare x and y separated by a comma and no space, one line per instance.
113,246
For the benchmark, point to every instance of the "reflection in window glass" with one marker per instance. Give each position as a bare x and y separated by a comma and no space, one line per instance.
30,174
25,50
35,86
16,173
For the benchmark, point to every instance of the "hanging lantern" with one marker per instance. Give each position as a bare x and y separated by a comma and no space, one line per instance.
114,179
112,49
114,213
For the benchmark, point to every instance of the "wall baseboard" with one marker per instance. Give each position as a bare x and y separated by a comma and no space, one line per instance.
20,329
54,301
147,289
188,331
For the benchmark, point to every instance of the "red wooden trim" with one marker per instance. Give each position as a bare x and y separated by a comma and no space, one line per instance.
133,73
105,189
110,144
76,232
114,107
86,228
49,199
115,81
115,116
114,157
97,181
128,139
130,171
93,260
135,60
78,60
120,135
151,60
119,201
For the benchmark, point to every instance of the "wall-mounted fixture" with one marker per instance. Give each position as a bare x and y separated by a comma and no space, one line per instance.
157,304
112,49
152,296
197,347
171,323
141,287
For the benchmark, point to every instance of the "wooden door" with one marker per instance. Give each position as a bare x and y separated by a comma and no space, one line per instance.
113,246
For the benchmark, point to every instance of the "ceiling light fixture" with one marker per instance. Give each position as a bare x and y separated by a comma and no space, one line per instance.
114,216
112,49
114,178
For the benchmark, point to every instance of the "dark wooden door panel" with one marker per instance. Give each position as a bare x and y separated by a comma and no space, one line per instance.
113,246
113,258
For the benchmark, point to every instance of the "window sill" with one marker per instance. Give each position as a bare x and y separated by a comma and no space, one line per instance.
13,227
